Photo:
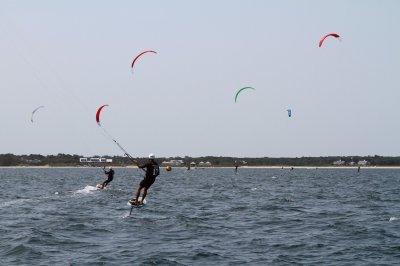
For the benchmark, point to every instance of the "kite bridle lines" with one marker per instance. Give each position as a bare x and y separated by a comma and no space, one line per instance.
109,136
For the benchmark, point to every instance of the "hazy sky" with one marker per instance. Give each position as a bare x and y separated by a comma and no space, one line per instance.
73,56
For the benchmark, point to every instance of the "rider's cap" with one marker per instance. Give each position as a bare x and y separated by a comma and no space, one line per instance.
151,156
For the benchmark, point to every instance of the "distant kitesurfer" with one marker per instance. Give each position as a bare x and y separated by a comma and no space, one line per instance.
152,171
110,175
236,166
358,170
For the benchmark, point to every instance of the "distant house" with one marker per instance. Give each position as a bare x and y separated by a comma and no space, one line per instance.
192,164
173,163
95,160
34,161
338,163
205,164
362,163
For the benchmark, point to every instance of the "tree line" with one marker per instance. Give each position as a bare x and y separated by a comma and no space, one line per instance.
221,161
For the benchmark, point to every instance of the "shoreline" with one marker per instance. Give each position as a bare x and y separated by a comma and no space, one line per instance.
212,167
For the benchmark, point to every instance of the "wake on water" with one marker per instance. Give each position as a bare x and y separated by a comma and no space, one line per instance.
13,202
87,189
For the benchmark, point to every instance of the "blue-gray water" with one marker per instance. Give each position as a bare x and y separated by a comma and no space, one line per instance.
201,217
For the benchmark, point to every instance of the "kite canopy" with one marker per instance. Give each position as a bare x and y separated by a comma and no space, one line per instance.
98,114
330,34
34,111
139,55
242,89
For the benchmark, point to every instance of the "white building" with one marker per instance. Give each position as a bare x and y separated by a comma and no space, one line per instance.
362,163
205,164
340,162
173,163
95,160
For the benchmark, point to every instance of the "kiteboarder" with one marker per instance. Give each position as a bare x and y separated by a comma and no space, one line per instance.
236,166
110,175
152,171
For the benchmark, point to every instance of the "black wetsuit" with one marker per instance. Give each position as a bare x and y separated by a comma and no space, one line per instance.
152,171
110,175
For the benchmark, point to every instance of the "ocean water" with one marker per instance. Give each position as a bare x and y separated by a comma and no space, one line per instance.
201,217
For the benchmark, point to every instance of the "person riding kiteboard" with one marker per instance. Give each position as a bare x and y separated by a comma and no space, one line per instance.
110,175
152,171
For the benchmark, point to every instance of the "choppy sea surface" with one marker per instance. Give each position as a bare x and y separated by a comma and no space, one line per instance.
201,217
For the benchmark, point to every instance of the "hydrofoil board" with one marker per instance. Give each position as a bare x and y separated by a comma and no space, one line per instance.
140,205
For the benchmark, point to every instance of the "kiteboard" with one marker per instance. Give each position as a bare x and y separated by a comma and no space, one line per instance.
140,205
99,187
